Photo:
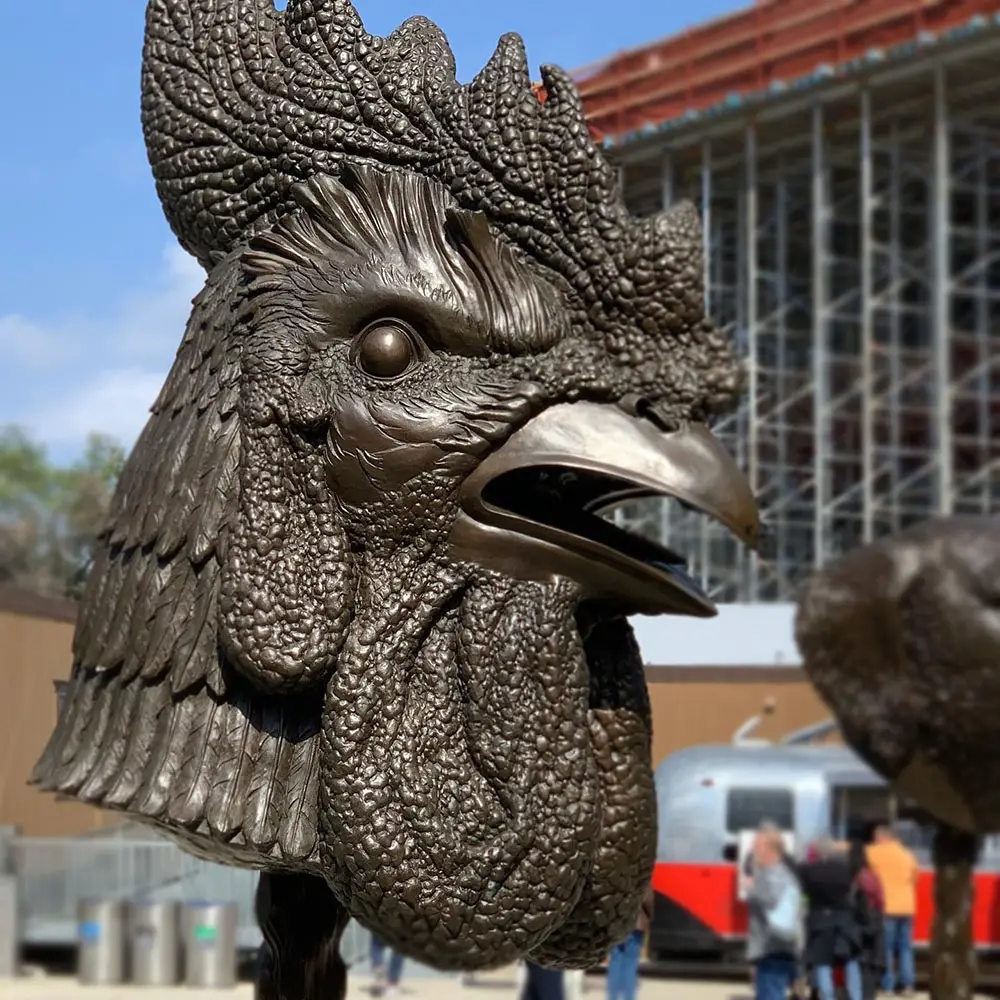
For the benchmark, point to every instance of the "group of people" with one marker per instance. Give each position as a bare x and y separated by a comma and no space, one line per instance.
845,911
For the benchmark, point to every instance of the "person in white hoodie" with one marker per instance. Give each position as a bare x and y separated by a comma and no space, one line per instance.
774,930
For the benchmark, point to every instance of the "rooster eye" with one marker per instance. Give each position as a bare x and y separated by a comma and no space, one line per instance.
385,350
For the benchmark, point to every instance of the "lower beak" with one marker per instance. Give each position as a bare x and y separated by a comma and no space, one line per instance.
531,508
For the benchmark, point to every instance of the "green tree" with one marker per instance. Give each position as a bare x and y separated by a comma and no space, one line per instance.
50,514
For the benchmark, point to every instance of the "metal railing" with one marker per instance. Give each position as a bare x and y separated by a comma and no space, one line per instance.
54,875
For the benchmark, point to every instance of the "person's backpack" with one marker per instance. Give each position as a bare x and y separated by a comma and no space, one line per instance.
783,917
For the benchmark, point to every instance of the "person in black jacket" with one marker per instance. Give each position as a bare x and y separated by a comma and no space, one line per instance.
833,936
869,907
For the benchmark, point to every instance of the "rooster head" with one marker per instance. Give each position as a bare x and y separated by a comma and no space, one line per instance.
356,611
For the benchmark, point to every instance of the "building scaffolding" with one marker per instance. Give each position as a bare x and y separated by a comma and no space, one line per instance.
852,253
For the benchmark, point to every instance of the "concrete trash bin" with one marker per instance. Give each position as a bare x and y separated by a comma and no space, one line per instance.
101,942
210,945
154,943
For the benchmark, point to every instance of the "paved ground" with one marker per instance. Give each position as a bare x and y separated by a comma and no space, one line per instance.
497,987
424,984
58,988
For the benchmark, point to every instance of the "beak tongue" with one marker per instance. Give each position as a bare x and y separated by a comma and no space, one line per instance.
631,457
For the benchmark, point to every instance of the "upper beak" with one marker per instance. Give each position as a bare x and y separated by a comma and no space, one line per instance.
529,508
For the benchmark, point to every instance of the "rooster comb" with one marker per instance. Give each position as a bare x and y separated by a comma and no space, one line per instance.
242,101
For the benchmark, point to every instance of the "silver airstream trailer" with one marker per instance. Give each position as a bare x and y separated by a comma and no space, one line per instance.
711,798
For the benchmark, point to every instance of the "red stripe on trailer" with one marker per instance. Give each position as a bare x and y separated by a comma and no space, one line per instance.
708,893
985,909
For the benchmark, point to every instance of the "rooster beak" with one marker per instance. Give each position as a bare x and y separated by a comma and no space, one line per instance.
531,508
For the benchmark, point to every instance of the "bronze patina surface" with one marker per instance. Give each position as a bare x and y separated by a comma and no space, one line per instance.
902,640
354,619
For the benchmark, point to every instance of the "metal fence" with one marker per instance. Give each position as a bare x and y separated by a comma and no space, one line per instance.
54,875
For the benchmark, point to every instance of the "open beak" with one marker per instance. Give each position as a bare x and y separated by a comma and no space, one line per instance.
532,508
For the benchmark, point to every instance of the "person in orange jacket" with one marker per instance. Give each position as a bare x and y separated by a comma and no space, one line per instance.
897,870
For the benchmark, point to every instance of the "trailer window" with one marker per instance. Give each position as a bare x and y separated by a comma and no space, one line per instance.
747,808
856,811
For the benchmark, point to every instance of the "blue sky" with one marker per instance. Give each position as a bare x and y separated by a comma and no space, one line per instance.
94,291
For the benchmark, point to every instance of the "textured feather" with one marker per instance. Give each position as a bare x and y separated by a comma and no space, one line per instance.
172,534
94,728
297,837
90,638
203,473
206,653
195,773
75,721
224,811
132,581
265,784
43,773
140,606
146,735
229,396
153,701
192,648
165,627
177,441
216,490
126,700
196,430
143,494
174,729
157,579
98,583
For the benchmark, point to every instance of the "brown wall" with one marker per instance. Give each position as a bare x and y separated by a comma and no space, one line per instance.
35,641
708,704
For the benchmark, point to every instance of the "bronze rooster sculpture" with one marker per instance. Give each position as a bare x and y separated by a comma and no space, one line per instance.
902,640
355,619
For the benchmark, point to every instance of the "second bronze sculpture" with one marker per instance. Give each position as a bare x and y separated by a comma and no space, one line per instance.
355,620
901,638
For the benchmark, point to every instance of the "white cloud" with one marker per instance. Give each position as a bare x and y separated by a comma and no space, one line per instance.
29,344
115,401
97,373
148,322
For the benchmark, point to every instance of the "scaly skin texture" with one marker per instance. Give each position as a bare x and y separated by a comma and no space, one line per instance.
901,640
280,661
